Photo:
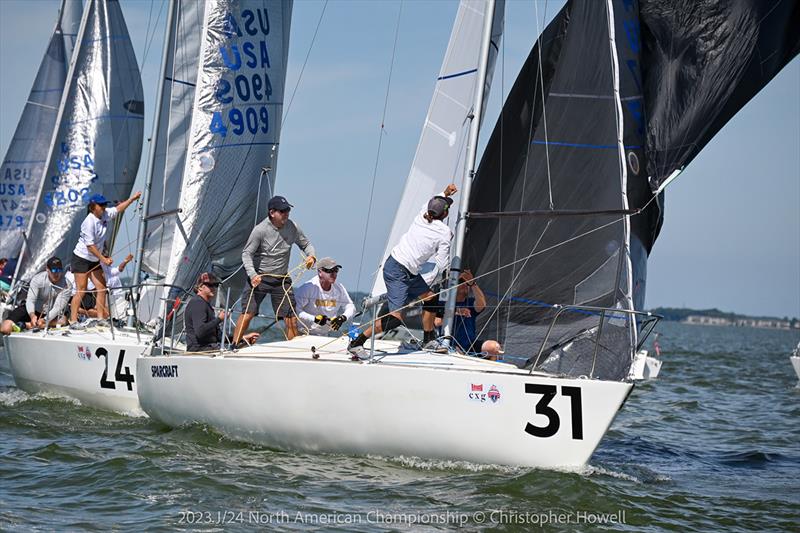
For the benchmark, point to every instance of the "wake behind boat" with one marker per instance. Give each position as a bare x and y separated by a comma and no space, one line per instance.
402,403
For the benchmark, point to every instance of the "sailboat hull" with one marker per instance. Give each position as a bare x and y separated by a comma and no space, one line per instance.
795,359
91,367
417,404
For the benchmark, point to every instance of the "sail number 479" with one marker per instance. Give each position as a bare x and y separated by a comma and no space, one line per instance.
548,392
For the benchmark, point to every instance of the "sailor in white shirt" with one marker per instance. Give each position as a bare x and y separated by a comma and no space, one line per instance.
323,304
427,238
90,250
113,281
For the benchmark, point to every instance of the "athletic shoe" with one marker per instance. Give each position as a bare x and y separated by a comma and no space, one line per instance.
358,353
435,346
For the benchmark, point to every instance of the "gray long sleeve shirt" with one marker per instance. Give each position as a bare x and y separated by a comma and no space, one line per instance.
47,297
268,249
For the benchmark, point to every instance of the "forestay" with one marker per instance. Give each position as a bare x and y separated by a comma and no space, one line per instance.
569,138
98,140
23,167
441,151
236,120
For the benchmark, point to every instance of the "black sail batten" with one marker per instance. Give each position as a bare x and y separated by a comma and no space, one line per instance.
532,265
702,61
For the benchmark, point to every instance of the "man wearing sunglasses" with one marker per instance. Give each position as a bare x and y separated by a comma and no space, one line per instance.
266,261
323,304
48,297
203,332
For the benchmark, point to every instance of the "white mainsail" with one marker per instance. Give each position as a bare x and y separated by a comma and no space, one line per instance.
23,167
98,140
235,126
170,141
442,147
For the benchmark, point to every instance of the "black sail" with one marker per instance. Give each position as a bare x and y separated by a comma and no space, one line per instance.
575,153
660,78
702,61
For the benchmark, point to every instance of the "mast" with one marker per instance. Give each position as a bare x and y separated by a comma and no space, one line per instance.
59,117
469,174
151,155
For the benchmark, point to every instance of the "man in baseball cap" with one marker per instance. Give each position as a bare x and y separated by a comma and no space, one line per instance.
323,303
203,332
266,261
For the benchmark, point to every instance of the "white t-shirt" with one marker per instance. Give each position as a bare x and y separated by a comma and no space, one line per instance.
422,241
312,300
93,231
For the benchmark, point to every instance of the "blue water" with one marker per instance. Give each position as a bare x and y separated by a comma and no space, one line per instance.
712,444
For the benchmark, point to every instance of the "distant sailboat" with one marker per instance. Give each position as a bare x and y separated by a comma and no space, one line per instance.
22,169
795,359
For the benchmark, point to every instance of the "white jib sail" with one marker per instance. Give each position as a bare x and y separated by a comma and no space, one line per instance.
235,126
98,139
23,167
172,137
442,147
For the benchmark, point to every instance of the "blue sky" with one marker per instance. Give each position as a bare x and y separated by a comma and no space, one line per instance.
731,238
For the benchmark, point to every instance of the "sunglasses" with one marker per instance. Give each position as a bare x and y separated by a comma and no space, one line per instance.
56,270
330,270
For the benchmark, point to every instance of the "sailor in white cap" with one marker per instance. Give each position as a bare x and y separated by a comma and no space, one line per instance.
322,302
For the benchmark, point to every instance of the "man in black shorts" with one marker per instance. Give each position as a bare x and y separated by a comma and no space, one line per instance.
266,261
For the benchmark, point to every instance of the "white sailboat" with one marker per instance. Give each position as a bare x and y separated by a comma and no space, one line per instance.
795,359
645,366
95,148
307,394
205,148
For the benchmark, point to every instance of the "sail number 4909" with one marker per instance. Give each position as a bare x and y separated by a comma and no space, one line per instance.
548,392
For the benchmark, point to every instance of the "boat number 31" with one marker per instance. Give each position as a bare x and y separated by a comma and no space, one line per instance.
548,392
119,376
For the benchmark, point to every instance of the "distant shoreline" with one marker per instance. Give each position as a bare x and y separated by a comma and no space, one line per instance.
715,317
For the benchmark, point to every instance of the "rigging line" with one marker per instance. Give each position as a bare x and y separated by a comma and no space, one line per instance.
539,81
500,181
303,68
544,104
513,281
380,142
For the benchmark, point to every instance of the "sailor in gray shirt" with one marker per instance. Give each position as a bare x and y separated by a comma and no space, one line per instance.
266,261
48,296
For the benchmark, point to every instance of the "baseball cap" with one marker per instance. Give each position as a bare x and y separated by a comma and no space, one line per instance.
55,263
207,278
439,205
328,262
279,202
98,199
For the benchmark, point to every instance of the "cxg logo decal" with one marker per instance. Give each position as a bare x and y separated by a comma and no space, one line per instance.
478,392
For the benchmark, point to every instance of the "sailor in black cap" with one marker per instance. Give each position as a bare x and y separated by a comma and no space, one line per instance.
266,261
48,295
90,252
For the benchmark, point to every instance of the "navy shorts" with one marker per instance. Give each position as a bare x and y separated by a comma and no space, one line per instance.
281,294
79,265
402,286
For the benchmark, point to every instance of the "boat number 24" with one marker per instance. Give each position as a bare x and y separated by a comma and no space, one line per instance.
548,392
119,376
